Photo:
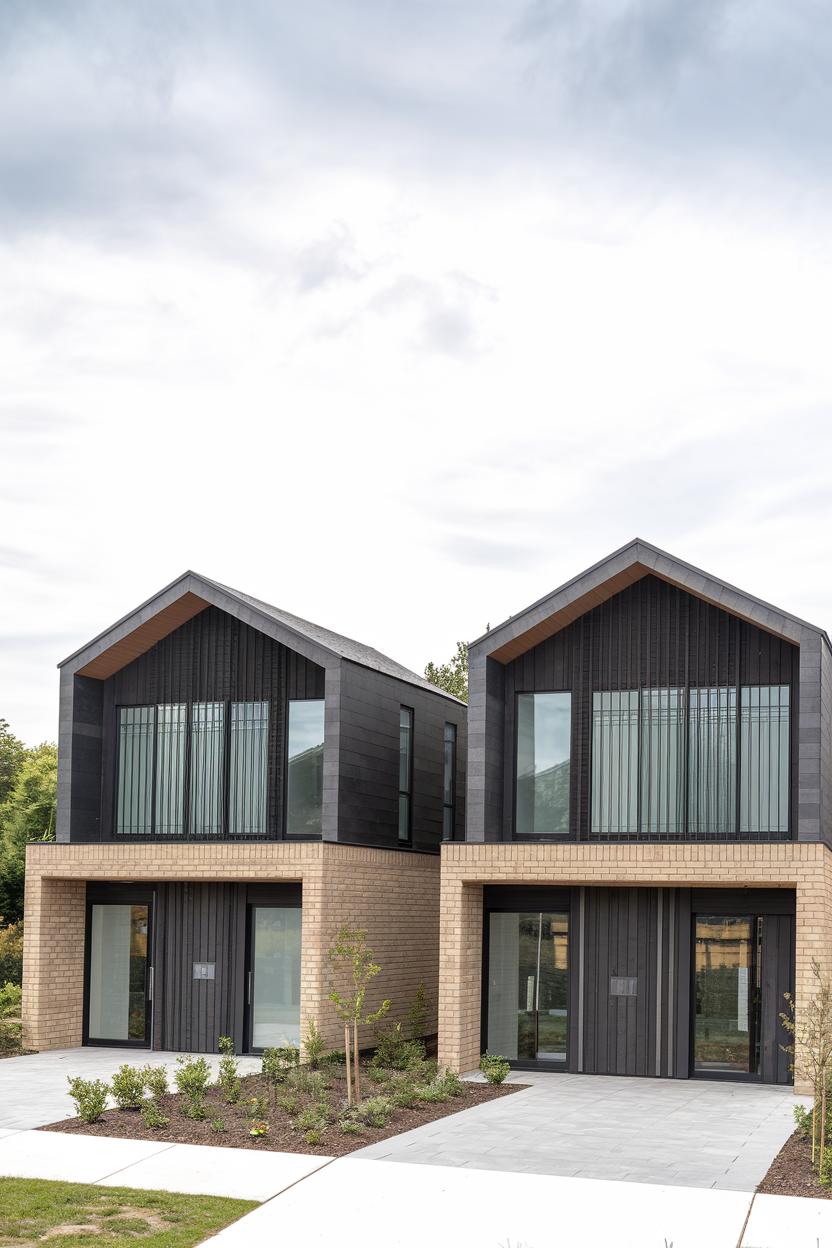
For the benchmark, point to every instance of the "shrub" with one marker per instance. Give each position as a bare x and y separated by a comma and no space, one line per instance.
277,1063
217,1124
90,1097
289,1103
494,1067
417,1015
451,1084
192,1077
430,1093
11,953
313,1118
257,1107
129,1083
348,1126
156,1081
803,1120
375,1111
259,1129
395,1051
194,1107
11,996
153,1116
308,1082
228,1077
313,1044
401,1091
314,1136
11,1036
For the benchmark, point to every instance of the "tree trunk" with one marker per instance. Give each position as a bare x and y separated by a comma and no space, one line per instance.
347,1058
357,1067
814,1120
822,1128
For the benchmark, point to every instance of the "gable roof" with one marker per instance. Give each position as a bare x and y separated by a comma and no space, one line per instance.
192,593
609,576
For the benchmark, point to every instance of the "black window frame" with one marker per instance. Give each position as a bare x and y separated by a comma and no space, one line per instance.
449,738
407,839
284,822
187,834
544,838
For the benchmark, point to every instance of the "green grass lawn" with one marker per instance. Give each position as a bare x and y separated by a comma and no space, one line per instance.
72,1215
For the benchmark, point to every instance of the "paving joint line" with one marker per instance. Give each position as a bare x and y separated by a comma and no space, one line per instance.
166,1148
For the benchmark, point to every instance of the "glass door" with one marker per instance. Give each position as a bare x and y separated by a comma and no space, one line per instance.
528,986
273,981
118,975
726,995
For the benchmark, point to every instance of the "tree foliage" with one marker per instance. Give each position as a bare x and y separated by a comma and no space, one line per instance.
453,675
12,752
27,813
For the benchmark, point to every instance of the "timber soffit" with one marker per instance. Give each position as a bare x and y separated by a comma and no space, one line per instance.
192,593
615,572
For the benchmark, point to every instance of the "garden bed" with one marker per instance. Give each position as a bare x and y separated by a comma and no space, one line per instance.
791,1173
286,1130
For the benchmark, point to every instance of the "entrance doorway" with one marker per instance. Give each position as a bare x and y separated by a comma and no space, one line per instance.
119,980
727,996
528,970
273,977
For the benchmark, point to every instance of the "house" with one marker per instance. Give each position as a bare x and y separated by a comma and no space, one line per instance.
646,867
234,784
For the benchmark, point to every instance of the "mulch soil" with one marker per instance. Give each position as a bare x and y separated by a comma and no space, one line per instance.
791,1173
284,1136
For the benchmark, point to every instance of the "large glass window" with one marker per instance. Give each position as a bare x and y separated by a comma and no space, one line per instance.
662,749
764,758
274,990
305,777
118,973
544,732
449,783
528,985
248,768
405,771
177,757
615,724
712,762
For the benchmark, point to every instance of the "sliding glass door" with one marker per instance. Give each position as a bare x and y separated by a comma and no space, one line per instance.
118,974
528,983
726,995
273,983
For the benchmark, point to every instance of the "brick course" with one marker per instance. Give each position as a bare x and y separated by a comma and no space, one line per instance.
394,895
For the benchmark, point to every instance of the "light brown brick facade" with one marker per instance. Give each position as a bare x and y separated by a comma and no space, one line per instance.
803,866
394,895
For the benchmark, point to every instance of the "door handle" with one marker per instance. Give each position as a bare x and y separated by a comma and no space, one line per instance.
248,988
150,985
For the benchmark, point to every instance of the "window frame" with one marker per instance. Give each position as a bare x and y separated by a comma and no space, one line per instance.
187,835
452,804
545,838
407,839
284,823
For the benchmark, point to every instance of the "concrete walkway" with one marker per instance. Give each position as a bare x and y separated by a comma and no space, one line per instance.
684,1133
33,1089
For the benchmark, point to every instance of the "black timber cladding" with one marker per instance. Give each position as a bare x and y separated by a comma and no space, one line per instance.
211,657
650,634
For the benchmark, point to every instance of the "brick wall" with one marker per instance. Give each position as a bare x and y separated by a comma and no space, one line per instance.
805,867
394,895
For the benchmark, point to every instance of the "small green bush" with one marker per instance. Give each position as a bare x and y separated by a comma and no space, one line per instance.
228,1076
90,1097
451,1084
375,1111
308,1082
217,1124
192,1077
494,1067
417,1015
395,1051
128,1085
314,1136
348,1126
11,1000
277,1063
401,1090
314,1117
11,952
256,1107
430,1093
803,1120
314,1045
11,1036
153,1116
194,1107
156,1081
289,1102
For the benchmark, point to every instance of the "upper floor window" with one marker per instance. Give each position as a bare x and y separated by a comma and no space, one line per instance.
405,772
305,768
674,762
192,770
449,783
544,734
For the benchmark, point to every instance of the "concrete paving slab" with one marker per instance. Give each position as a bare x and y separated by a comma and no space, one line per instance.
71,1158
207,1171
789,1222
411,1206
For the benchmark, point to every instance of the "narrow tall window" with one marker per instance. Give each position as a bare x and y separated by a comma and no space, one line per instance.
544,733
134,801
171,727
615,722
449,784
712,762
405,772
764,758
248,769
662,762
305,769
207,750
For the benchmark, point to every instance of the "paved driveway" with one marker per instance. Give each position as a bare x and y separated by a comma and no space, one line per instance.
33,1089
682,1132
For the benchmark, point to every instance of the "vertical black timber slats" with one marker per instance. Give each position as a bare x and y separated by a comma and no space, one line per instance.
777,979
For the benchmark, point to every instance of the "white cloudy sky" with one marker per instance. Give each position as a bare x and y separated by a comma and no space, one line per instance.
399,314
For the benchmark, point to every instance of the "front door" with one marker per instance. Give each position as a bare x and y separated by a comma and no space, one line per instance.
273,978
727,951
119,977
528,986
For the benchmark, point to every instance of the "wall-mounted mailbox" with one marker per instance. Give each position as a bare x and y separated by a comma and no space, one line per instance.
624,986
204,970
